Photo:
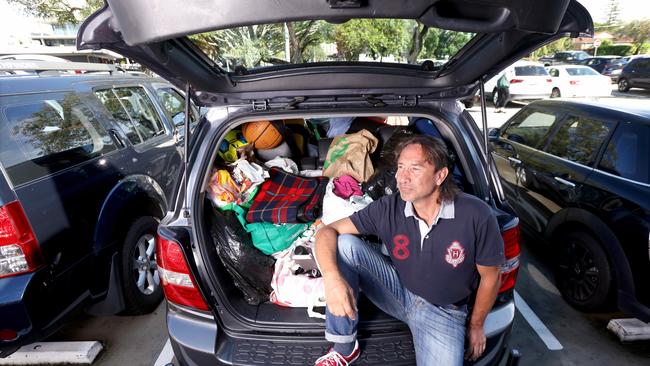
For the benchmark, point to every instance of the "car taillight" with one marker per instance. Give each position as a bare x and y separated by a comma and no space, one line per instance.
515,81
549,80
510,268
574,82
175,276
19,250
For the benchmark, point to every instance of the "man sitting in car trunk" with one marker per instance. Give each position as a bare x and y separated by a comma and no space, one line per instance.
441,243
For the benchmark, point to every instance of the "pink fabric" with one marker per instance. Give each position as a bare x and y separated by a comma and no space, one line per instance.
345,187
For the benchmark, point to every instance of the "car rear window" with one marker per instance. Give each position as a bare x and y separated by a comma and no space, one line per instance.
530,71
627,153
43,134
581,71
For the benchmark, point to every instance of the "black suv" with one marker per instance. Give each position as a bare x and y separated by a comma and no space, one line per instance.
89,163
578,175
565,57
636,74
208,319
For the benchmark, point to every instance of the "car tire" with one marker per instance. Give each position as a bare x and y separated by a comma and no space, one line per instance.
495,96
139,275
623,85
555,93
583,273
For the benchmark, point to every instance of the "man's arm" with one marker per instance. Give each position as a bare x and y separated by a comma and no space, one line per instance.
338,294
485,296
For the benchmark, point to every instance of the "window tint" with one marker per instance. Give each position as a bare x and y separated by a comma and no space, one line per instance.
174,105
530,71
579,139
627,154
133,111
581,71
49,133
641,64
530,127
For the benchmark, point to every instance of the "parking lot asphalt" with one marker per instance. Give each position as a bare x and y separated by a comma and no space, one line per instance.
583,338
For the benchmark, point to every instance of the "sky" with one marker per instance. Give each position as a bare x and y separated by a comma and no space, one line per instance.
629,9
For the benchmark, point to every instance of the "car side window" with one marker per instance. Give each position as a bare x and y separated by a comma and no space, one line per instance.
579,139
133,112
554,72
627,153
174,105
45,134
530,127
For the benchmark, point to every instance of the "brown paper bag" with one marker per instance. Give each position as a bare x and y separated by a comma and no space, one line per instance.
350,154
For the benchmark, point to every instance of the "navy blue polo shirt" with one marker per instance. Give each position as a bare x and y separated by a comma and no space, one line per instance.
441,267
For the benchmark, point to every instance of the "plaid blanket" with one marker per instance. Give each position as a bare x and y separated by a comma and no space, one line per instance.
288,198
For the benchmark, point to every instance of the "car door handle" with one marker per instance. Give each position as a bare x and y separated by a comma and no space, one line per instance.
117,138
565,182
516,161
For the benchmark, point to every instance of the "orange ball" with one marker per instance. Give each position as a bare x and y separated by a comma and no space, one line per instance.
262,134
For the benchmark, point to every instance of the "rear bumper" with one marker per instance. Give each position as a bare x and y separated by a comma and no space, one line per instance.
15,313
196,340
530,96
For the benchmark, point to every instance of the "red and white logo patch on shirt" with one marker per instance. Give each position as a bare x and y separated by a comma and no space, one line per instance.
455,254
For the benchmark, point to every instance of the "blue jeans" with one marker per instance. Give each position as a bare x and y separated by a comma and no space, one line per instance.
438,331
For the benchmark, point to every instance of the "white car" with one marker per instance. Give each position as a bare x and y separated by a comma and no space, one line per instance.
578,81
528,81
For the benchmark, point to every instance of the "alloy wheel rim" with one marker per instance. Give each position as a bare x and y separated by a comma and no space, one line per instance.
580,276
145,267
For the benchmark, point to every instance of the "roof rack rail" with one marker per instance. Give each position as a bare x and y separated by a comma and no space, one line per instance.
40,66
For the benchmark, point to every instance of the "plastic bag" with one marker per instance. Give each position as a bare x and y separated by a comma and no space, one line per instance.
336,208
285,164
251,270
350,154
382,183
222,189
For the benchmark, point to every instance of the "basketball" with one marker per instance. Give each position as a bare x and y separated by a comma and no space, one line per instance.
262,134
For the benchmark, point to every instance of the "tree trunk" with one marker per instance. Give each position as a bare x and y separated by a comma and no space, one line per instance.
416,43
294,45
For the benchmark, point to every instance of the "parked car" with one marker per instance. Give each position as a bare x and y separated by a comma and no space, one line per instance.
564,57
578,81
607,65
578,175
208,320
528,81
89,163
635,74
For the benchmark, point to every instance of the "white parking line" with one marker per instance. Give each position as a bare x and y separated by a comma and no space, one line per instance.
166,355
536,323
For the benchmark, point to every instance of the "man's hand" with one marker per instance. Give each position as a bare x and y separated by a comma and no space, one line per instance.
339,297
477,340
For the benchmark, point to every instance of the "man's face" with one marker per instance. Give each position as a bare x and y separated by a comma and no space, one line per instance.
417,178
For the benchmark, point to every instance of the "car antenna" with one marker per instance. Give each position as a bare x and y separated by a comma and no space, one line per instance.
186,149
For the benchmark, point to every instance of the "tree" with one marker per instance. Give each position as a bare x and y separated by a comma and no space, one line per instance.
305,36
419,31
613,12
441,44
61,11
639,31
377,37
550,49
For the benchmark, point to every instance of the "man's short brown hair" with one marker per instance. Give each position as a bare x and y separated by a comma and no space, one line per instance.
436,153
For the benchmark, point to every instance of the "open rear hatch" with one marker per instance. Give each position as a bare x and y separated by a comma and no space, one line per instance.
156,35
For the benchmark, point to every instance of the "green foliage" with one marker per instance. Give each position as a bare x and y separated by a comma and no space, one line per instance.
639,31
611,49
442,44
377,37
61,11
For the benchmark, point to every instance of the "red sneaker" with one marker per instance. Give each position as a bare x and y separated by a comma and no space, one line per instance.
333,358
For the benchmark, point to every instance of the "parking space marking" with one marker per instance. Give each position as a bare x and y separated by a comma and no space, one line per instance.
166,355
536,323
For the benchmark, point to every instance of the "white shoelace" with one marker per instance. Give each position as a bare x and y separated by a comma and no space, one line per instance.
333,358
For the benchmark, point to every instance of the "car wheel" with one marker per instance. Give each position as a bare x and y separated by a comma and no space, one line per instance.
555,93
583,273
623,85
468,103
139,270
495,96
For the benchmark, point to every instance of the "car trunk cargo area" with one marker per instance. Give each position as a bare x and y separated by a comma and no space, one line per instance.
313,145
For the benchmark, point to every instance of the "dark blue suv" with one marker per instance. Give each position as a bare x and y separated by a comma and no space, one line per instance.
88,163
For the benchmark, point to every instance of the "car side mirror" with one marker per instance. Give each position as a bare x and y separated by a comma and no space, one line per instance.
493,134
